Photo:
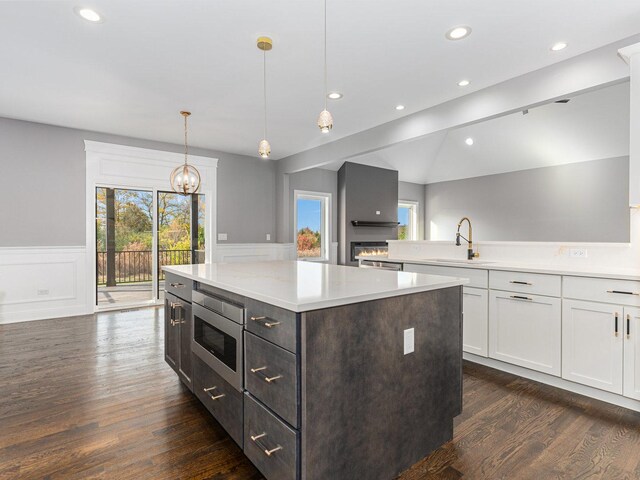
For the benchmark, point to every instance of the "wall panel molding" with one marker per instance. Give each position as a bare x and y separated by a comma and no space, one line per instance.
42,282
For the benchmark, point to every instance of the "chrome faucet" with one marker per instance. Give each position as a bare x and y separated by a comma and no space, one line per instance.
470,253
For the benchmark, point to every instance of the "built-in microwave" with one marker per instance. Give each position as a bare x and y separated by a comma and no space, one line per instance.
217,336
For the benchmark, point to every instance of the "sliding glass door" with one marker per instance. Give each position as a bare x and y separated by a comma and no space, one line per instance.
181,238
124,246
130,252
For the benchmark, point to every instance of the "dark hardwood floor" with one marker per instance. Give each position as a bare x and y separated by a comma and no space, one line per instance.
91,397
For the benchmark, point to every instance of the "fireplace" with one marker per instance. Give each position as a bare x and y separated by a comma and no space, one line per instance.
362,249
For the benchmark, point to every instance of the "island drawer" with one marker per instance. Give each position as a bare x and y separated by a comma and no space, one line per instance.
270,444
271,375
223,401
525,282
178,286
608,290
477,278
272,323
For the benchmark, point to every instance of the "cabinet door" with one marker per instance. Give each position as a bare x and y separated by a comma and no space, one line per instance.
475,329
632,352
592,350
171,333
186,332
525,330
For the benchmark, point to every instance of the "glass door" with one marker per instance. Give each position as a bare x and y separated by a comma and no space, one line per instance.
181,236
124,247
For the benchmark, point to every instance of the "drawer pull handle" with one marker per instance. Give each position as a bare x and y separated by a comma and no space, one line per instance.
177,285
266,324
175,322
266,451
266,379
622,292
518,297
213,397
518,282
616,330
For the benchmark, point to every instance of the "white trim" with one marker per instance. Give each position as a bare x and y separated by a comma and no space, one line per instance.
413,206
325,226
121,166
555,382
42,282
254,252
627,52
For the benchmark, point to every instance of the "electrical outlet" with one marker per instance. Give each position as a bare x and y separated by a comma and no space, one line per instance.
409,341
43,291
578,253
377,212
268,237
222,236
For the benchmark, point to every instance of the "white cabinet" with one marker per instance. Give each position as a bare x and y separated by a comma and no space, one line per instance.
475,303
525,330
632,352
475,307
592,349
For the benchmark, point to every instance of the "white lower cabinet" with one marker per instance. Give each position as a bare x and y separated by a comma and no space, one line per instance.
525,330
632,352
592,349
475,307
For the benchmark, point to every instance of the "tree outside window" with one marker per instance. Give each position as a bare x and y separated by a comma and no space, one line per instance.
312,225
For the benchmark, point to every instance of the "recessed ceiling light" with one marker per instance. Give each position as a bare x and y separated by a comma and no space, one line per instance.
458,33
399,107
556,47
334,95
88,14
469,141
463,83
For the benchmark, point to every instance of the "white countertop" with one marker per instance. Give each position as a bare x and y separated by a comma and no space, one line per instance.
304,286
587,271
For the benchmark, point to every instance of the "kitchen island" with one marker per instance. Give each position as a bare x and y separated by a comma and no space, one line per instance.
320,371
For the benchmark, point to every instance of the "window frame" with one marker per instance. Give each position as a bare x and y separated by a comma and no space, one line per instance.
412,230
325,223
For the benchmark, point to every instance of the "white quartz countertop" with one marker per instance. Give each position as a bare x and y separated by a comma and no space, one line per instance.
586,271
304,286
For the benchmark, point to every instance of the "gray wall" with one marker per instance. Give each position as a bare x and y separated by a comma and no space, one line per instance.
416,193
42,196
315,180
580,202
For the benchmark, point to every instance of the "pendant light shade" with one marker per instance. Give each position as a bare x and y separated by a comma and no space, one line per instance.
264,149
265,44
325,119
185,178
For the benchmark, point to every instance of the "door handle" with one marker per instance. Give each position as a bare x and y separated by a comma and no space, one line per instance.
628,325
616,329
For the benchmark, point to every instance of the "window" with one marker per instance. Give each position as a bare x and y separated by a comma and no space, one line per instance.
408,218
311,225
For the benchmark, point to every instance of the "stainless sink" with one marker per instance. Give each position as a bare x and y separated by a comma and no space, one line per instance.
461,262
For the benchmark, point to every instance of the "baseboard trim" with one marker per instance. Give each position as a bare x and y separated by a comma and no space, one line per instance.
557,382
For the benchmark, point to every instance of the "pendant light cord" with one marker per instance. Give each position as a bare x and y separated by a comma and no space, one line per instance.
186,148
325,54
264,71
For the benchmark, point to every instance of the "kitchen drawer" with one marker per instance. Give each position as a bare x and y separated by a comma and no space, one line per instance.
477,278
272,323
534,283
620,292
223,401
271,375
270,444
178,286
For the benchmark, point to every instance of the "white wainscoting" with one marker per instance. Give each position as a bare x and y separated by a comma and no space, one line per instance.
42,282
253,252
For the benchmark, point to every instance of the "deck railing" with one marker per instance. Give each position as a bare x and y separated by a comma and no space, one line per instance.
135,266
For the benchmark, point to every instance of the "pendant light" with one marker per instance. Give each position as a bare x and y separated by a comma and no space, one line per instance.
325,120
265,44
185,178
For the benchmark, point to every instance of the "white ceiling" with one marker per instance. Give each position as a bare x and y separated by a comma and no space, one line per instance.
591,126
149,59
